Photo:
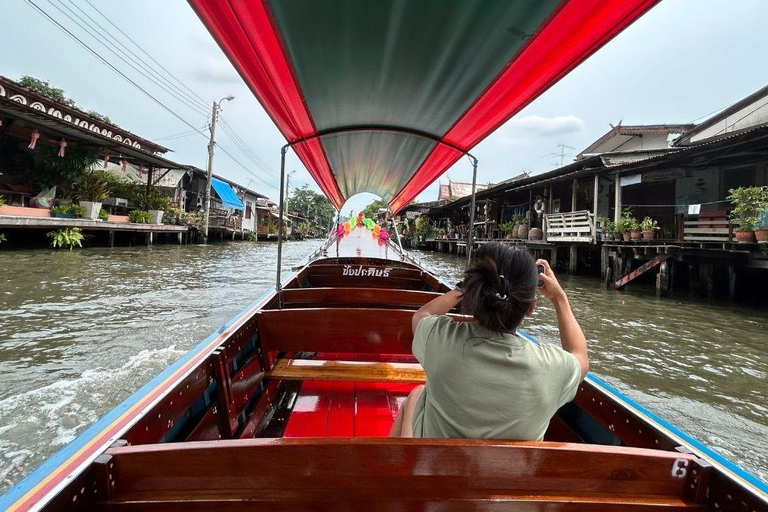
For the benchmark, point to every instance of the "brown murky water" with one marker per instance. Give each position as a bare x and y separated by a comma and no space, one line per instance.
82,330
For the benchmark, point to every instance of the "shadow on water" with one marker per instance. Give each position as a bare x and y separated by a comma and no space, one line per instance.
702,365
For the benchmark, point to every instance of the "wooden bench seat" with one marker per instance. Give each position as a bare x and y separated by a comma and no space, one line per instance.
356,297
392,474
356,371
367,276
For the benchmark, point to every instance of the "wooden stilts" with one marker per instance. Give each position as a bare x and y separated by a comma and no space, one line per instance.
111,238
706,274
573,259
731,282
662,279
180,237
603,262
149,239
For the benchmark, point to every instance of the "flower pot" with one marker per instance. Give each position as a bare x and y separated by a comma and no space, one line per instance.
649,235
636,235
515,231
509,236
522,232
157,216
63,215
534,234
762,235
626,236
745,237
91,209
608,237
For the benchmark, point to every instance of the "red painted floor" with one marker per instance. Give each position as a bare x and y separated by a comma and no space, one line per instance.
346,409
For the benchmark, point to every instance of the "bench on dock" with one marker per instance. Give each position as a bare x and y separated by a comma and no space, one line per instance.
570,226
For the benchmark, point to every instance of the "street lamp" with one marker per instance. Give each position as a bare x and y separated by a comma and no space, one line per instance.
211,145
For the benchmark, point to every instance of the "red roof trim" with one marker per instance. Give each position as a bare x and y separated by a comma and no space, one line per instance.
578,30
266,70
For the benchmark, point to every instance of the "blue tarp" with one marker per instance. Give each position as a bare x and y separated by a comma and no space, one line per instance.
227,195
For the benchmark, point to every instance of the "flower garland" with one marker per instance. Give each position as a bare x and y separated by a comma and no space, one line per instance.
362,221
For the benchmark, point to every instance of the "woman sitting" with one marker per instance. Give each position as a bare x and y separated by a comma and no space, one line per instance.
483,380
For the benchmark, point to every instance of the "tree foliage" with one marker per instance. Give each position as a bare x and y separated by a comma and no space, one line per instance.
372,209
312,206
45,88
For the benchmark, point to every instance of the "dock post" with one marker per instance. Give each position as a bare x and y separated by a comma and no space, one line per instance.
706,274
731,282
603,261
574,258
149,239
662,279
178,235
111,239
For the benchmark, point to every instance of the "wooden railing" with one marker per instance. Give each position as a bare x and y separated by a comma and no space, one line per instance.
708,230
570,226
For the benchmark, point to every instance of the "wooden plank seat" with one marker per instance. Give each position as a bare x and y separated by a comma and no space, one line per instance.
392,474
355,371
369,276
356,297
350,330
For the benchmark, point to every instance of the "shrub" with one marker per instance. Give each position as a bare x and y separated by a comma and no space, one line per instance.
140,217
748,205
2,238
155,199
92,187
72,209
103,214
66,237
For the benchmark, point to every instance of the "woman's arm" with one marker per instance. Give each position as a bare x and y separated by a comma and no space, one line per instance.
437,306
571,336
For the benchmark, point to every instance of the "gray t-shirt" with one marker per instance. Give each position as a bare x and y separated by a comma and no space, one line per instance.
487,385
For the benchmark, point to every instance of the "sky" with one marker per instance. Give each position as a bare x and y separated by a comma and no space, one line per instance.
681,62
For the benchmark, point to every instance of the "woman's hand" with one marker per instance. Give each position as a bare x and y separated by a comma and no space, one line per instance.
550,288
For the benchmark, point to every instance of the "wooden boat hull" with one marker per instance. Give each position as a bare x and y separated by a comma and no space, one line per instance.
287,406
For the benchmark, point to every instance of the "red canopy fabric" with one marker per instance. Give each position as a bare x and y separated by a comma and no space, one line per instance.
384,97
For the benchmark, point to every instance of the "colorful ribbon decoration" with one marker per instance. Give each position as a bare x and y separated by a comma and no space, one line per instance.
62,147
33,139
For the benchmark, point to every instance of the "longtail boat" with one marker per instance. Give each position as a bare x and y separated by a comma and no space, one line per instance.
288,405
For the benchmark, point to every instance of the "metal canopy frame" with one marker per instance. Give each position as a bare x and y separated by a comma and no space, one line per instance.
367,128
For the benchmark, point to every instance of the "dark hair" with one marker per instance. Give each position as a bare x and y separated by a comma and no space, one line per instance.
500,286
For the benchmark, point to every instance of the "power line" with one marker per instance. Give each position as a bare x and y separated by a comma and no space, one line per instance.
105,62
241,145
193,97
145,52
89,30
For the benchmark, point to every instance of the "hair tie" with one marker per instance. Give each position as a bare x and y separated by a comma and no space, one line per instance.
501,276
500,296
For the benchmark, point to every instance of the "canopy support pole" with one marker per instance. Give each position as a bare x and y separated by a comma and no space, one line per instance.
397,235
278,287
471,233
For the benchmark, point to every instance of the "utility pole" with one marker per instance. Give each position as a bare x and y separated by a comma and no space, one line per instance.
211,146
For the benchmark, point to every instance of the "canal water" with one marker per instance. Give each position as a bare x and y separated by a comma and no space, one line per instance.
82,330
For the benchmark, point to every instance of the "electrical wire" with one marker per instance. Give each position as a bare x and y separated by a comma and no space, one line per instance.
105,62
242,146
88,31
200,103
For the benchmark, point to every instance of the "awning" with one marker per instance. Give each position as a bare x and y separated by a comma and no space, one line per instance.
384,96
227,195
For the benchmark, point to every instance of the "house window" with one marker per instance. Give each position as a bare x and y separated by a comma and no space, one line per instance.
248,209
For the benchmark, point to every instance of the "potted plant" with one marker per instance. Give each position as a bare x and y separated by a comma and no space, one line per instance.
609,230
171,215
507,228
748,206
91,192
522,230
761,233
140,217
648,227
422,227
62,212
155,202
626,225
103,215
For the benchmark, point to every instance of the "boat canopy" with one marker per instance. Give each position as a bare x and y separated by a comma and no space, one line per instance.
384,97
228,197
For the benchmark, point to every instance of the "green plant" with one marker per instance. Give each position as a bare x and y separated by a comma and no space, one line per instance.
140,217
627,223
2,238
77,210
748,204
507,227
155,199
92,187
66,237
103,214
422,226
191,219
608,226
302,228
251,236
60,209
648,224
2,201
